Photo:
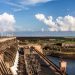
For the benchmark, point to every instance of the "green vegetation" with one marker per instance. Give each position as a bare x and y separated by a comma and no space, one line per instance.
51,44
69,42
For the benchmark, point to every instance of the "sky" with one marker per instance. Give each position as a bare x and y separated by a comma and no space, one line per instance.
37,15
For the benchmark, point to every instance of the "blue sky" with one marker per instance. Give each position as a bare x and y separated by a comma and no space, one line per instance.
37,15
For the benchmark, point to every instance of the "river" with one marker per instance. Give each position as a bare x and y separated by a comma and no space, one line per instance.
70,64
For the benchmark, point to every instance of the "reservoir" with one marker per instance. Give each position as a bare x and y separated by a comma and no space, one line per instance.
70,64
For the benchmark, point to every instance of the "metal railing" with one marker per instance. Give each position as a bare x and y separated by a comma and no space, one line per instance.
50,62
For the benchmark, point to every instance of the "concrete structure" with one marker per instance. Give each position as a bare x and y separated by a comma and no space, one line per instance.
8,49
52,68
68,44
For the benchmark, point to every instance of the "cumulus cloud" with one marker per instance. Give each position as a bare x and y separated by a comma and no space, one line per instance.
66,23
7,22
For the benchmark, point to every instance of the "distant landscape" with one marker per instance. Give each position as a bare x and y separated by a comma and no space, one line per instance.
40,33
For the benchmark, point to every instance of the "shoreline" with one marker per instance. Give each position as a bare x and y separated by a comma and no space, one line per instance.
62,55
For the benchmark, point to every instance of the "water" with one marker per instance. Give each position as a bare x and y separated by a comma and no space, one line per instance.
70,64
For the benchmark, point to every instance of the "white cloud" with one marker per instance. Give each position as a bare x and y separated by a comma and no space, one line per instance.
19,5
7,22
14,4
41,17
32,2
66,23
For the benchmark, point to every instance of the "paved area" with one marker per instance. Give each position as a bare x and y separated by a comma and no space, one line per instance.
5,39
